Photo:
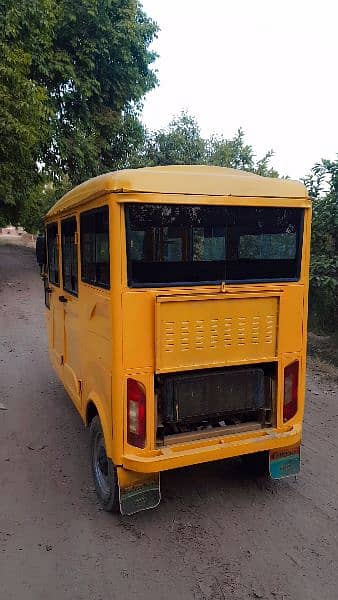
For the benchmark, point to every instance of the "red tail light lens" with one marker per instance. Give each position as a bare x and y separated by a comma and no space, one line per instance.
290,391
136,413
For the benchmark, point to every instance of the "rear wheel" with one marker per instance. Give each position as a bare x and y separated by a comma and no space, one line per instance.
103,469
257,463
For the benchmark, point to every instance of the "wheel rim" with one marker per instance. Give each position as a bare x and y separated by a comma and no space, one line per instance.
101,466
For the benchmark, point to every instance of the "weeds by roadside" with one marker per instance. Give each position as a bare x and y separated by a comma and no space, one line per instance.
323,354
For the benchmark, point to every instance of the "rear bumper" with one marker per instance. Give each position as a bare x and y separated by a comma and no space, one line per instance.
182,455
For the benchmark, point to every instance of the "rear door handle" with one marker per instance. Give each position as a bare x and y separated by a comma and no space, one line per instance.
62,299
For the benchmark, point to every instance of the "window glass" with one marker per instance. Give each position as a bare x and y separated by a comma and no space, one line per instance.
95,264
175,244
87,233
53,253
47,292
69,256
209,243
263,243
172,244
268,246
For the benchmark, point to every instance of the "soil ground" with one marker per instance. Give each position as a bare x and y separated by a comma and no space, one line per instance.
218,533
324,349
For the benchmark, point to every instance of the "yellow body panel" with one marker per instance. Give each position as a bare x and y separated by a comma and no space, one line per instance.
194,332
100,338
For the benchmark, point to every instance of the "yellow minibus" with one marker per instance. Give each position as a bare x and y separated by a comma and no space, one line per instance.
176,310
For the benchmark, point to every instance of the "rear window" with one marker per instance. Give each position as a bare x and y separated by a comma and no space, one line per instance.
187,245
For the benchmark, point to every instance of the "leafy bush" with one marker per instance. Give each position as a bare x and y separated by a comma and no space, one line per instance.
322,184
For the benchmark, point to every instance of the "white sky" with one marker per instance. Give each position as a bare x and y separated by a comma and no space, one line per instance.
269,66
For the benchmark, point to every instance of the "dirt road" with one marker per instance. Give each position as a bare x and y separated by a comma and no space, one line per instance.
218,534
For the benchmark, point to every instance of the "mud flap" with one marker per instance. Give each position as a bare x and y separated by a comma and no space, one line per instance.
138,491
284,462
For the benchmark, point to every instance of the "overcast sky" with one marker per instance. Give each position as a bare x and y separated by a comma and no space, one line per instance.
268,66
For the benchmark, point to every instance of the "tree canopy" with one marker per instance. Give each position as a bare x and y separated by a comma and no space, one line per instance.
322,184
73,75
182,143
24,119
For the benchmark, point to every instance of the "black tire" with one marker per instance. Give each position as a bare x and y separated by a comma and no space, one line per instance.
103,469
256,464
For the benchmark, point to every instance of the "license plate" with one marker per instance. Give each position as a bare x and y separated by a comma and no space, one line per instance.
284,462
140,495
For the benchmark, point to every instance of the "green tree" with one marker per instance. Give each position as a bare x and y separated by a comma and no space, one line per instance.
322,184
24,119
237,154
86,66
100,71
182,143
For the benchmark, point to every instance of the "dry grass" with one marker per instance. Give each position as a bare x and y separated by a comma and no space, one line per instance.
324,367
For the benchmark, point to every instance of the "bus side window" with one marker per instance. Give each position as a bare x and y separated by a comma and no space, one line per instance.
69,256
94,235
53,254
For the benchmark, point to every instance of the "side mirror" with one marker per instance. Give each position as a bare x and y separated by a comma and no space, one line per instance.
41,251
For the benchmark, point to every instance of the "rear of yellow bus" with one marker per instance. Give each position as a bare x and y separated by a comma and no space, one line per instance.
214,311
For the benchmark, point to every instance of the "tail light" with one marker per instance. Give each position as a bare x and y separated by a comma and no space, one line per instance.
136,413
290,391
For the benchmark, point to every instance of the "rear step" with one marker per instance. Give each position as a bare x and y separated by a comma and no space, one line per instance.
210,433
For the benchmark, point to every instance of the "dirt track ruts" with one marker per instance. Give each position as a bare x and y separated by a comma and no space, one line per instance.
218,533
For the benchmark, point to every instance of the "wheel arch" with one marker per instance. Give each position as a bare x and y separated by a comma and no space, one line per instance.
95,407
